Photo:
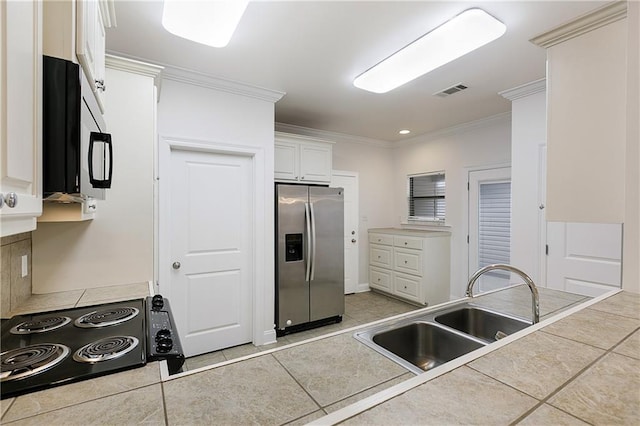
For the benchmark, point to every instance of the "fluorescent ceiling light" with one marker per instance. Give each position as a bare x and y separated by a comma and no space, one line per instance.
464,33
404,131
207,22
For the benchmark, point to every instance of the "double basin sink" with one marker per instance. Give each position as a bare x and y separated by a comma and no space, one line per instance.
422,342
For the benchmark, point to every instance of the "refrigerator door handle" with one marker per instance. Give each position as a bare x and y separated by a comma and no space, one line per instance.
313,241
307,217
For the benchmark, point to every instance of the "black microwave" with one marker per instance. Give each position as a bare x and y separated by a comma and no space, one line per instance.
77,153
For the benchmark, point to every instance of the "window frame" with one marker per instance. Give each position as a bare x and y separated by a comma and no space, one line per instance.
436,219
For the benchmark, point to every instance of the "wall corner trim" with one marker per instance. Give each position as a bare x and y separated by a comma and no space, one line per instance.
590,21
524,90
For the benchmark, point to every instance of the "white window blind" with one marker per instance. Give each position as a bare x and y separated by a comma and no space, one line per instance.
426,197
494,230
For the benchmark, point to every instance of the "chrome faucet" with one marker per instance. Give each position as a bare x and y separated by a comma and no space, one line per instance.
535,303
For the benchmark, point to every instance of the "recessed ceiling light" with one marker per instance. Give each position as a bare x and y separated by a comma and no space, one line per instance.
207,22
464,33
404,132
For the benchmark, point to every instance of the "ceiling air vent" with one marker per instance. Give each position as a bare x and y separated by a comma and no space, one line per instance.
450,90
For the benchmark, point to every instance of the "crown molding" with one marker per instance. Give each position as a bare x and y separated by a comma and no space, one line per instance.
504,117
525,90
590,21
194,78
292,129
137,67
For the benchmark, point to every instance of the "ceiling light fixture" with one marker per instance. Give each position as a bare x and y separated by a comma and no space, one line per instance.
404,132
464,33
206,22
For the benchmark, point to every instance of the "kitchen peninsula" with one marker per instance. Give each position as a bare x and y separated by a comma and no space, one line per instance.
592,353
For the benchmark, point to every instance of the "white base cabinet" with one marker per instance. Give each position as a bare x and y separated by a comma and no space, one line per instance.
412,265
302,159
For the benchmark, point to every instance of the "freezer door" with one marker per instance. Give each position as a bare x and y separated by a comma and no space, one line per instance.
327,263
292,289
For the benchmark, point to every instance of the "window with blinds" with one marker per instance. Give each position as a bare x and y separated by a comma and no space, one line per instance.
494,227
426,197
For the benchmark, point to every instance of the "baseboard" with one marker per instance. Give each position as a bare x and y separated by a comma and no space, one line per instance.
362,287
268,337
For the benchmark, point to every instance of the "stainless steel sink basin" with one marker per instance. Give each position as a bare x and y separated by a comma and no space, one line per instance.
426,340
425,345
481,323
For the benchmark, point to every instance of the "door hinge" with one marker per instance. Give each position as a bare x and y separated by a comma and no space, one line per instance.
546,249
467,239
468,187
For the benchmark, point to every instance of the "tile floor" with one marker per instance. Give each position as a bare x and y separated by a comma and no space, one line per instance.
360,308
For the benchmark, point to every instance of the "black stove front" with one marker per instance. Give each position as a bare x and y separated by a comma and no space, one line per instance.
59,347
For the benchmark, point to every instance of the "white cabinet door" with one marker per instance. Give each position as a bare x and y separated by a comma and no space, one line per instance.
91,46
20,114
286,161
315,162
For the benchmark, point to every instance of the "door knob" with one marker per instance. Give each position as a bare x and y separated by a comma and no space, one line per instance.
176,265
353,240
541,206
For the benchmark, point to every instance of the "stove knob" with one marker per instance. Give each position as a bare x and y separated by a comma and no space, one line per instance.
157,302
163,334
164,345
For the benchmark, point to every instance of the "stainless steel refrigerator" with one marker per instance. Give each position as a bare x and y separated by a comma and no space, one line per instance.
309,256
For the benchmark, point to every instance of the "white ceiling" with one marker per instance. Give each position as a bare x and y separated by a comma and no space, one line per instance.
312,50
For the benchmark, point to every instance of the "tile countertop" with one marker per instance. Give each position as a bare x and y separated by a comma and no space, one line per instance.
584,367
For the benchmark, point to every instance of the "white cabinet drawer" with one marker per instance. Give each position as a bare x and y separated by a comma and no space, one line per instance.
379,278
407,286
409,261
380,255
407,242
383,239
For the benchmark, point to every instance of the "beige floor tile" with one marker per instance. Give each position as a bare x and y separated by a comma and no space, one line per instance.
203,360
240,351
307,419
335,368
371,391
597,328
548,415
630,347
256,391
462,396
4,405
529,366
607,393
75,393
138,406
624,303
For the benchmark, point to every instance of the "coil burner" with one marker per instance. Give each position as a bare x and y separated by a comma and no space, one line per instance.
106,317
25,362
40,325
105,349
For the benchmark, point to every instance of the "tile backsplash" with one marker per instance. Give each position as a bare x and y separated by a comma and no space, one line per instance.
14,287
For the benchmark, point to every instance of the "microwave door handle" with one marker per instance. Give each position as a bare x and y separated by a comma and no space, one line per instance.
313,241
307,218
106,139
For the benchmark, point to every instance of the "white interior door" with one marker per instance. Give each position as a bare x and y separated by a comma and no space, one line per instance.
349,181
210,259
490,224
584,258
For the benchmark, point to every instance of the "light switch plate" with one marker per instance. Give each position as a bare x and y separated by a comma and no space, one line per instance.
25,266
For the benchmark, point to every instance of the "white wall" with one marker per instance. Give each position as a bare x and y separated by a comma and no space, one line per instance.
374,164
528,139
475,145
214,111
117,246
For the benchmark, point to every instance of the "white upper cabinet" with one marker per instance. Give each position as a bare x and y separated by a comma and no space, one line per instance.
90,46
586,116
302,159
20,115
75,31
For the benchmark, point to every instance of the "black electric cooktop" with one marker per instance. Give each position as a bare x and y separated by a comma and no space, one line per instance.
59,347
